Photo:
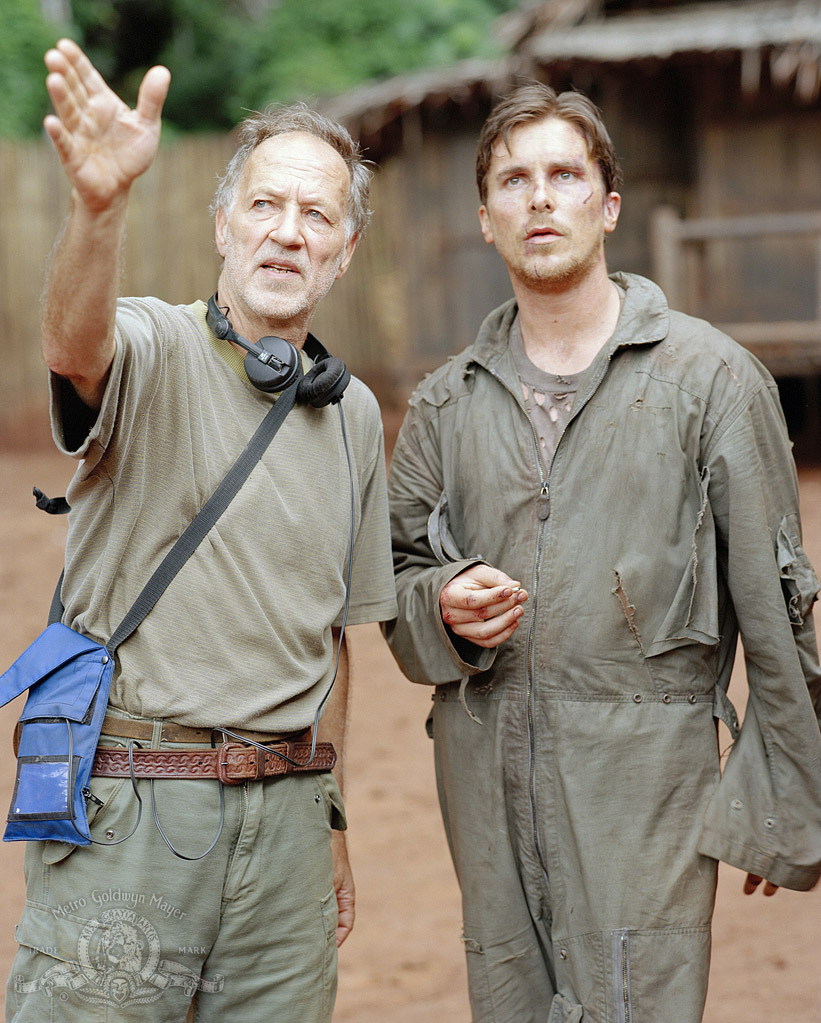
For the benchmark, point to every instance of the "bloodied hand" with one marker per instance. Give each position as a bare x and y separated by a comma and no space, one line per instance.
483,605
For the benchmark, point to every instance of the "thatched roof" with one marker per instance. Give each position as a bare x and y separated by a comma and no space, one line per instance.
785,33
376,103
705,28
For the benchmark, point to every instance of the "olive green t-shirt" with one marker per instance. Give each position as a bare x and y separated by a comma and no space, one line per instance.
242,636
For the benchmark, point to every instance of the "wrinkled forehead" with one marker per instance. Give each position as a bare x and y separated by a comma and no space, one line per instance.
298,158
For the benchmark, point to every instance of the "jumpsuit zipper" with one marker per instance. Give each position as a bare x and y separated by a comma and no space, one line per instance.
621,976
543,512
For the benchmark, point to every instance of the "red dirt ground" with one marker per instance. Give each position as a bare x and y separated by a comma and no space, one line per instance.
404,960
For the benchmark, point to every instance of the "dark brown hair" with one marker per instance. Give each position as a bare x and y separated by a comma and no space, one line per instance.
534,101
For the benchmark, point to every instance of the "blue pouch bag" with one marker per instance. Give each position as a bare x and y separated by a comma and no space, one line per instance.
68,677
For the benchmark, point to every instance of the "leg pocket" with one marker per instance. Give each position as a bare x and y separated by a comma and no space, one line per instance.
70,970
660,974
508,980
108,965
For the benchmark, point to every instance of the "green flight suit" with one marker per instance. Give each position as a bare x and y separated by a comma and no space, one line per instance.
582,793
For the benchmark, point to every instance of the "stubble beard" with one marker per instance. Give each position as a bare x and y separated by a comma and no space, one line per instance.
561,274
274,306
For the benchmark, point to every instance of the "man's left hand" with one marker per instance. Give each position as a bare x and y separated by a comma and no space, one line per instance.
753,881
482,605
343,886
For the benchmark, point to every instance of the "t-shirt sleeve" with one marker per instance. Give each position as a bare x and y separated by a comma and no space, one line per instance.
373,594
133,377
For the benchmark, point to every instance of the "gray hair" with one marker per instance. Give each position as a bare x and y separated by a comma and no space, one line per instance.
299,117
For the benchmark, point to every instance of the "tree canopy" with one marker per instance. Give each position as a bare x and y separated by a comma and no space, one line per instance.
228,56
24,38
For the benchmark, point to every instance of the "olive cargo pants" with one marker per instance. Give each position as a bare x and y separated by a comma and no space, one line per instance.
130,932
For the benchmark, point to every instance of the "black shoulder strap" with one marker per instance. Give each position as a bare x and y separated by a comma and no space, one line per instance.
55,611
202,523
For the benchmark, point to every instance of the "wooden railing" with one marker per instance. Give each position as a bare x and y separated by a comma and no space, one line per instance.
786,347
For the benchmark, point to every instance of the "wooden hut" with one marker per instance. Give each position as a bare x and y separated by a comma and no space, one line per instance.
715,111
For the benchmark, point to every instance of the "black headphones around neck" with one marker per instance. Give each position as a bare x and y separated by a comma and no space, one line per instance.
273,364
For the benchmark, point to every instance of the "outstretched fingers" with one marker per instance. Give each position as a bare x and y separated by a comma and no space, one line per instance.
153,92
66,114
72,84
82,72
72,81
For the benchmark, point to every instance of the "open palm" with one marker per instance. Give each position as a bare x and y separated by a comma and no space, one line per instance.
102,143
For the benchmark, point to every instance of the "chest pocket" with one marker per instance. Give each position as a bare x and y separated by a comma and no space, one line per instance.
693,613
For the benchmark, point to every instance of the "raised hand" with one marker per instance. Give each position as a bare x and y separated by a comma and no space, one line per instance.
103,144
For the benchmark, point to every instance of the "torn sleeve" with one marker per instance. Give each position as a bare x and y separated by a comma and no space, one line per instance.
765,816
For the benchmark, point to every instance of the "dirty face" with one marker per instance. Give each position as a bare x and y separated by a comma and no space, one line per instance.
284,240
546,209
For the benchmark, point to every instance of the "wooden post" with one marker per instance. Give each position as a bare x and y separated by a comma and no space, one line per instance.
666,254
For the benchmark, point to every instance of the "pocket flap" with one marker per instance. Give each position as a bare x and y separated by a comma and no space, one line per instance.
54,931
439,535
564,1011
54,647
693,614
68,691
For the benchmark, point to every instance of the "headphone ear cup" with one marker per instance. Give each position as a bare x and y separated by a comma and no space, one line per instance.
324,383
276,376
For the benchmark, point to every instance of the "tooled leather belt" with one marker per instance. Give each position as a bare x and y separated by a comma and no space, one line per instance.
232,763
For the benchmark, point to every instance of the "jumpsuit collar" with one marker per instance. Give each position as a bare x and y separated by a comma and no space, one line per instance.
644,320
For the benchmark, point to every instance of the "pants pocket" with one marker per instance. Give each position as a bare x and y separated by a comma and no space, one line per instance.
508,979
104,792
332,797
53,975
660,974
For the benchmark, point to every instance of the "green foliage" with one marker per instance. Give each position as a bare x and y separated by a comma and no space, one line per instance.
203,42
225,59
210,58
325,46
24,38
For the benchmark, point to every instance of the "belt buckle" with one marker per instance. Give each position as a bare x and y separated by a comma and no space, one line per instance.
249,770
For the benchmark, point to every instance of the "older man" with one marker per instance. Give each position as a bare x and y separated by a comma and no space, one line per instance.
156,401
588,505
